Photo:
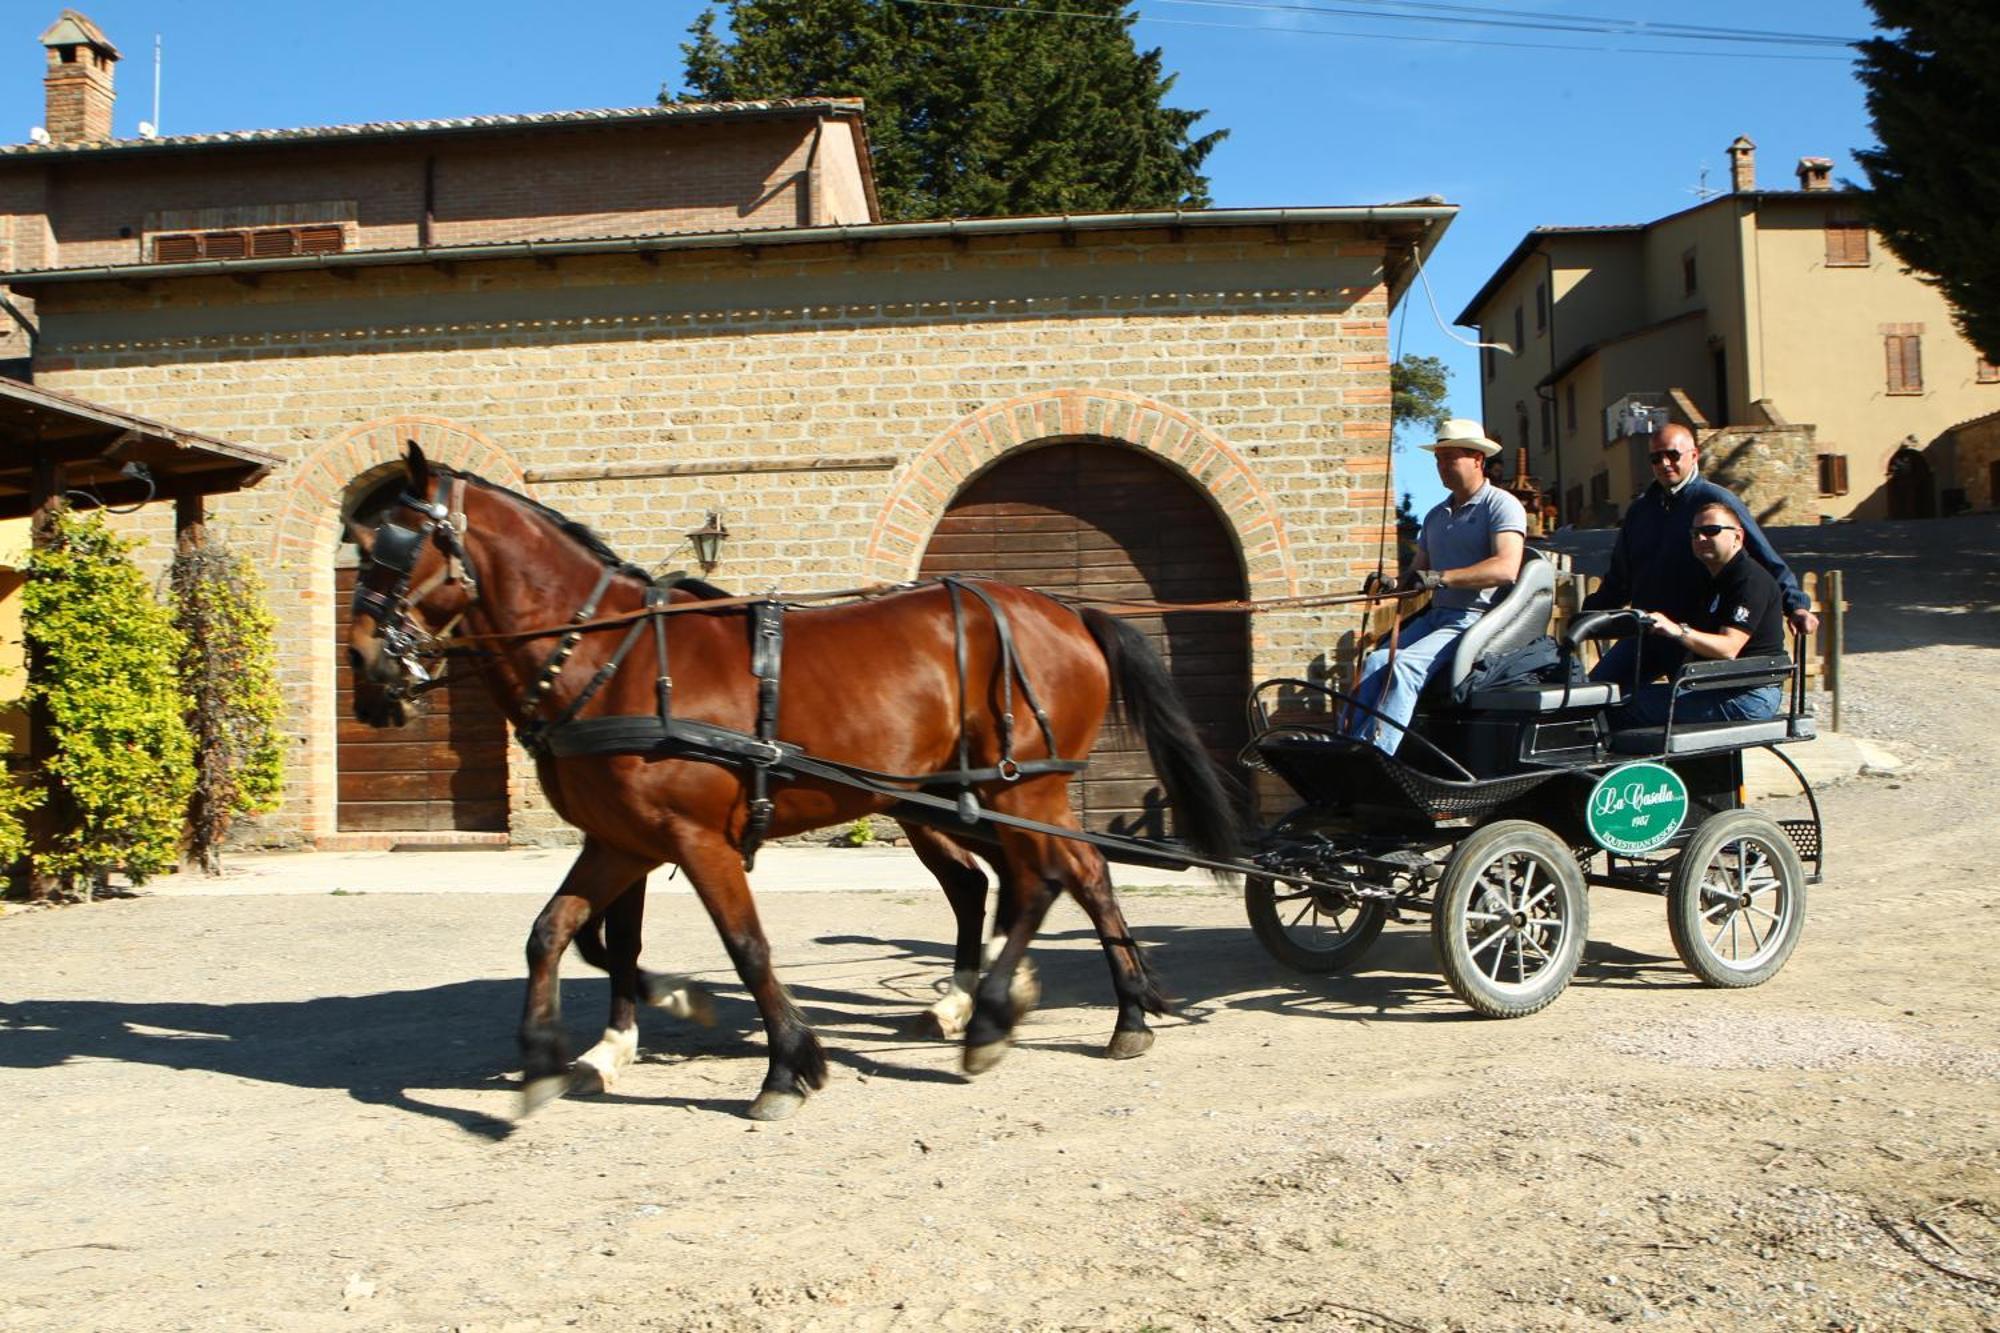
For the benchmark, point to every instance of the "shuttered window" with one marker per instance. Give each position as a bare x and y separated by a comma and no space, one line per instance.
1846,245
257,243
1905,355
1833,474
1986,373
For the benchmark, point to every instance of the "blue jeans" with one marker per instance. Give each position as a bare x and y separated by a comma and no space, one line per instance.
1648,708
1423,652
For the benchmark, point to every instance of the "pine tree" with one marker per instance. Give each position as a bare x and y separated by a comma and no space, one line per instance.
1934,96
1013,108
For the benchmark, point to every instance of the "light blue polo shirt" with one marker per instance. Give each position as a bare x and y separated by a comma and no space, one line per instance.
1453,538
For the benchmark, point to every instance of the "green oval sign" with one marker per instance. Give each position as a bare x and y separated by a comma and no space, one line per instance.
1636,807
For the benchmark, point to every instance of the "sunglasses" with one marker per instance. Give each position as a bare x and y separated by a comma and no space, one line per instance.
1714,529
1665,455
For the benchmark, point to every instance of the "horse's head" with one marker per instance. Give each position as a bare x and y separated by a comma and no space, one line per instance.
415,584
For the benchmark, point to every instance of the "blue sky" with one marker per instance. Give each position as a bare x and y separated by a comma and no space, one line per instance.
1365,106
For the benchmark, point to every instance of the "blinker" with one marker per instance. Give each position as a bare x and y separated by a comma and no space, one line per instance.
396,548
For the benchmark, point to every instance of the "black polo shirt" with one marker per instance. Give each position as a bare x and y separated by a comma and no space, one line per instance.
1744,596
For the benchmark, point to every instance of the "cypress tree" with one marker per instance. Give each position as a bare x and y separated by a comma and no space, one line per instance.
1009,108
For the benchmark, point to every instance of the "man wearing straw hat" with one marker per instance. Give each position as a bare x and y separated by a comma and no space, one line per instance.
1468,548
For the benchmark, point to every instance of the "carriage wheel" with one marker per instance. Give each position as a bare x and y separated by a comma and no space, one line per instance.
1310,930
1510,919
1737,901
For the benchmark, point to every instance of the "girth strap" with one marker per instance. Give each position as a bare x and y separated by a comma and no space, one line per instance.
767,655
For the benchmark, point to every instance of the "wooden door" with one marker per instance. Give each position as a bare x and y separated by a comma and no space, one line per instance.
446,771
1102,521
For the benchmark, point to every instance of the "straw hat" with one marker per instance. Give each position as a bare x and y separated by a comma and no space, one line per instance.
1463,433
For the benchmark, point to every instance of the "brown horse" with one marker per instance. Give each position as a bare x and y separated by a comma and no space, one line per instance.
884,684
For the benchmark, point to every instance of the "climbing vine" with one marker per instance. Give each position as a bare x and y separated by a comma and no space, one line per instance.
108,655
229,675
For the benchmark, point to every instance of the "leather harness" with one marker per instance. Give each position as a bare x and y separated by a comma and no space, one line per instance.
661,735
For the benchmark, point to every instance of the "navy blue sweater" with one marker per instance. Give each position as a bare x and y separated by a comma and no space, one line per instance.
1653,566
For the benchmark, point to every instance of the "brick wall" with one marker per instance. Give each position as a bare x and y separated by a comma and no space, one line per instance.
1774,468
1256,366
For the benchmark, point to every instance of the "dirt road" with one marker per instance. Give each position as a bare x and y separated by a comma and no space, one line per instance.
291,1113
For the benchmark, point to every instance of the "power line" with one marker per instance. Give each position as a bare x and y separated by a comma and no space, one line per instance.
1593,23
1485,42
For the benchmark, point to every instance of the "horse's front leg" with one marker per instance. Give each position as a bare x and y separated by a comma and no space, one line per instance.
595,882
798,1065
612,942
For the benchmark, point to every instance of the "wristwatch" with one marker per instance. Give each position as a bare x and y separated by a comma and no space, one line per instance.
1681,633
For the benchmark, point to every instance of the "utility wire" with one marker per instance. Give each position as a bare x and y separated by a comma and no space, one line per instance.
1587,23
1350,33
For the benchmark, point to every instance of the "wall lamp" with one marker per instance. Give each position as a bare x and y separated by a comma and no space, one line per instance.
707,542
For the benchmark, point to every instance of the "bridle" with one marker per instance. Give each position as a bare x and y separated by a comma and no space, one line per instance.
396,548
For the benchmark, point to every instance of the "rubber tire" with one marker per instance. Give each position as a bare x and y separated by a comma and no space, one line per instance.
1454,899
1684,898
1267,923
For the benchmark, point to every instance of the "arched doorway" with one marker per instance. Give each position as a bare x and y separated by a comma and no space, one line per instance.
1103,521
1912,494
444,772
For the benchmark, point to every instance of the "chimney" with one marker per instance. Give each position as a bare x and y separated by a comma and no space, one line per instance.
78,83
1815,173
1742,165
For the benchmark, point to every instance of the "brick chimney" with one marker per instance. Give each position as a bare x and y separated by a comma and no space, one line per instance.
78,83
1815,173
1742,165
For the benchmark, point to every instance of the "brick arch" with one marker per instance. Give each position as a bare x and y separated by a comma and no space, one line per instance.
976,443
307,531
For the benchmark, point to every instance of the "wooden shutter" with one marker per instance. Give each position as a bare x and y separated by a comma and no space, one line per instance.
225,245
1833,474
1986,373
1904,352
321,240
272,243
1846,245
176,249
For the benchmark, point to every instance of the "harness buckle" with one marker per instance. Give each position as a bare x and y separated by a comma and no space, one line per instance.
1009,771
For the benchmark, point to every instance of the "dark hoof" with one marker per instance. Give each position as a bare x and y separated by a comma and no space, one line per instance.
539,1092
587,1081
1129,1045
776,1105
979,1059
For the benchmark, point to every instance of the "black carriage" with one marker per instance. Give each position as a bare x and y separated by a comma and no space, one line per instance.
1504,804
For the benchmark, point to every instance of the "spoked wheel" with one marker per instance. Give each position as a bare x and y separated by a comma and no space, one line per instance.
1510,918
1737,901
1312,930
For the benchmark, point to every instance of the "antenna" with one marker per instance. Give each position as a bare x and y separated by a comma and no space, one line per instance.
151,130
1700,189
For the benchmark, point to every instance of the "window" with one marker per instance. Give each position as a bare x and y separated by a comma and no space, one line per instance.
1486,356
1690,279
1541,308
1905,355
1986,373
1569,408
1846,244
1833,474
1521,425
1520,331
1548,424
1573,504
1600,493
253,243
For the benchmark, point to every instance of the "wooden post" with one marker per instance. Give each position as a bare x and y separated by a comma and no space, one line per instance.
190,522
1835,638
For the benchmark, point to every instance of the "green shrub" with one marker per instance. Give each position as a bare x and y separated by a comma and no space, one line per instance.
229,674
107,656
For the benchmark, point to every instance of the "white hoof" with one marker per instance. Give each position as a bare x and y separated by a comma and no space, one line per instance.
596,1070
949,1016
692,1002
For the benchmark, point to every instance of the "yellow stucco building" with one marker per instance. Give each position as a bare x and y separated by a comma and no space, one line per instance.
1772,321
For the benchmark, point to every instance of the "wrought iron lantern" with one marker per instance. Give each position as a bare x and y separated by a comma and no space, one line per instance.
707,542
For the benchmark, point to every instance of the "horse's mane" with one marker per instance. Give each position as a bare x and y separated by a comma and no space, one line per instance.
580,533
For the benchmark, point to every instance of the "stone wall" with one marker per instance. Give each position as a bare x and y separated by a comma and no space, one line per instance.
1976,457
828,400
1774,468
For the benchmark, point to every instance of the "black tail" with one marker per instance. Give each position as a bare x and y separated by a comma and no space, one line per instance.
1205,806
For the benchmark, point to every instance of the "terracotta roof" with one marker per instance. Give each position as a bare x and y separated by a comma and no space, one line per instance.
73,29
781,106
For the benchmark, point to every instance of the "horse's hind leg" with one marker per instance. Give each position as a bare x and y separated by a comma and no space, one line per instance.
611,941
596,883
798,1065
964,885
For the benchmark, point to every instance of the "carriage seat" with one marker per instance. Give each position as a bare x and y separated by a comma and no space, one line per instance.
1704,737
1544,698
1518,616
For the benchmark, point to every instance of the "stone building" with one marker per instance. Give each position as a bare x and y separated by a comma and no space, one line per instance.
1773,322
644,317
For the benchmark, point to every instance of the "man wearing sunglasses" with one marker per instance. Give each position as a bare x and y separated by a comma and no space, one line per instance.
1654,566
1468,548
1738,616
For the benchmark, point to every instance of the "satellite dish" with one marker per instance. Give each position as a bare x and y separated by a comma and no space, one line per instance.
38,135
147,130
